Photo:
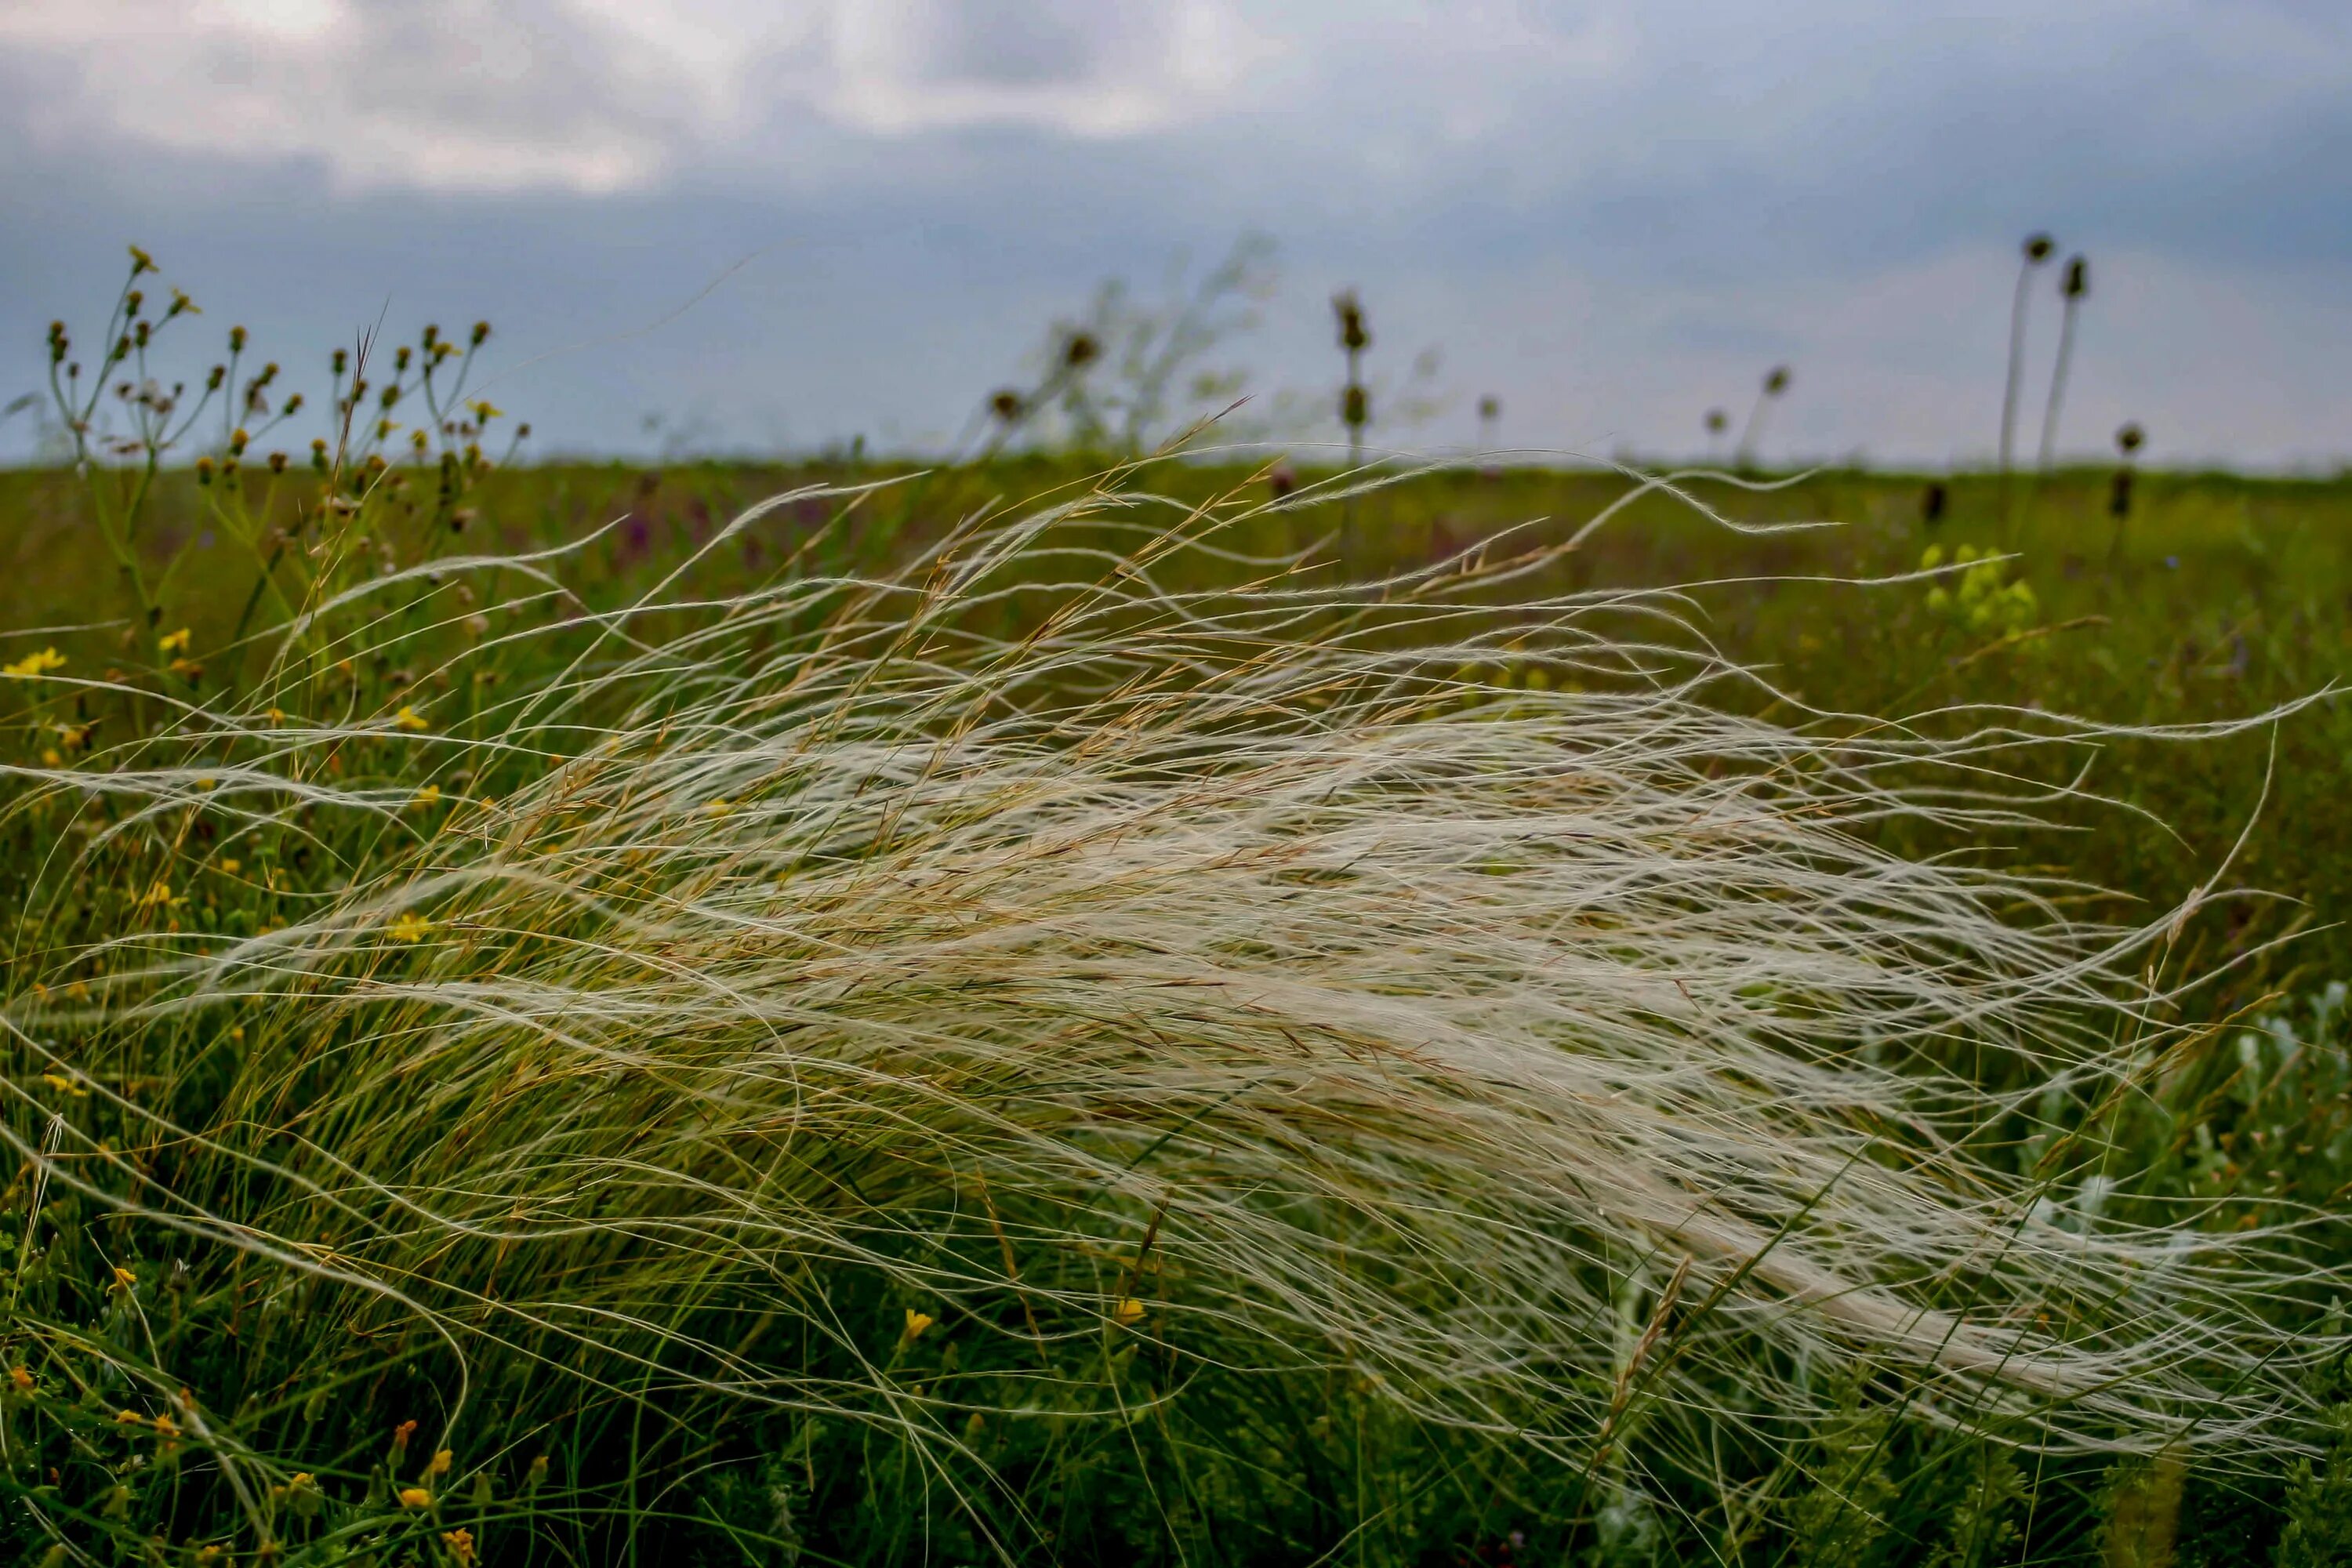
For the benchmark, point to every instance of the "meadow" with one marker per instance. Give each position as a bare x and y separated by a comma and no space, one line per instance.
1071,1008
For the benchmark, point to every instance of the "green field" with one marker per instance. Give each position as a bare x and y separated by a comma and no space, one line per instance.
456,1226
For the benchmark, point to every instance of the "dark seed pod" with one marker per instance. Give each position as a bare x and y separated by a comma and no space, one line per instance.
1081,351
2077,281
1932,504
2130,438
2038,247
1776,380
1355,408
2119,494
1006,406
1354,335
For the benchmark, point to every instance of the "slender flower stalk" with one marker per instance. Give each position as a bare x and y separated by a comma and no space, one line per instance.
1776,382
2072,288
2038,250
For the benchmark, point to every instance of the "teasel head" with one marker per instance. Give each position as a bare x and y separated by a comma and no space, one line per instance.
1354,335
2038,247
2077,281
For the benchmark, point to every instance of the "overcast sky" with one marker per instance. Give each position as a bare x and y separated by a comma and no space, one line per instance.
1610,215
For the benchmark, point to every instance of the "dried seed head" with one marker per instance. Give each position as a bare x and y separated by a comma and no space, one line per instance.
1354,335
1355,408
1081,351
1490,407
237,339
2077,281
1005,404
482,331
1281,479
341,360
277,462
2038,249
2130,438
1776,380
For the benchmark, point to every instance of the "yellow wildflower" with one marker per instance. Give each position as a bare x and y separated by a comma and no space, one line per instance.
22,1378
439,1464
172,642
409,718
1128,1313
50,759
230,867
187,669
158,893
415,1497
34,664
63,1084
917,1323
720,807
278,715
129,1418
410,927
429,795
166,1427
460,1544
123,1278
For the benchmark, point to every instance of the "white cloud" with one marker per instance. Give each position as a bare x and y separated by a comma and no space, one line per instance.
598,95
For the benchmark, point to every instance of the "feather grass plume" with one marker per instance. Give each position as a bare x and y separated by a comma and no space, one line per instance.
1128,960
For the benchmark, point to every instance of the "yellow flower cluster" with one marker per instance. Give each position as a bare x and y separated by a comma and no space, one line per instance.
1981,600
34,664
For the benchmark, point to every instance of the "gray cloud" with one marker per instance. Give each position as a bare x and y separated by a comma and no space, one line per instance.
1613,215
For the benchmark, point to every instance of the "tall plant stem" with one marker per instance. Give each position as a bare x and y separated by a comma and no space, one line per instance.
2010,387
2058,382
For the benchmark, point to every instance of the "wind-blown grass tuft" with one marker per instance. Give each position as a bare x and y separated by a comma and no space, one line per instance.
982,1018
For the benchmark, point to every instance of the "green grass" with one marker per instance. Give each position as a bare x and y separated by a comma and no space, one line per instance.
494,1173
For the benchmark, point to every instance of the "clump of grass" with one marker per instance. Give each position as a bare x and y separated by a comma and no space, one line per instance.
1008,1029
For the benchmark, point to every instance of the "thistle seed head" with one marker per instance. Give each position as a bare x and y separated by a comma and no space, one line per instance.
1354,335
